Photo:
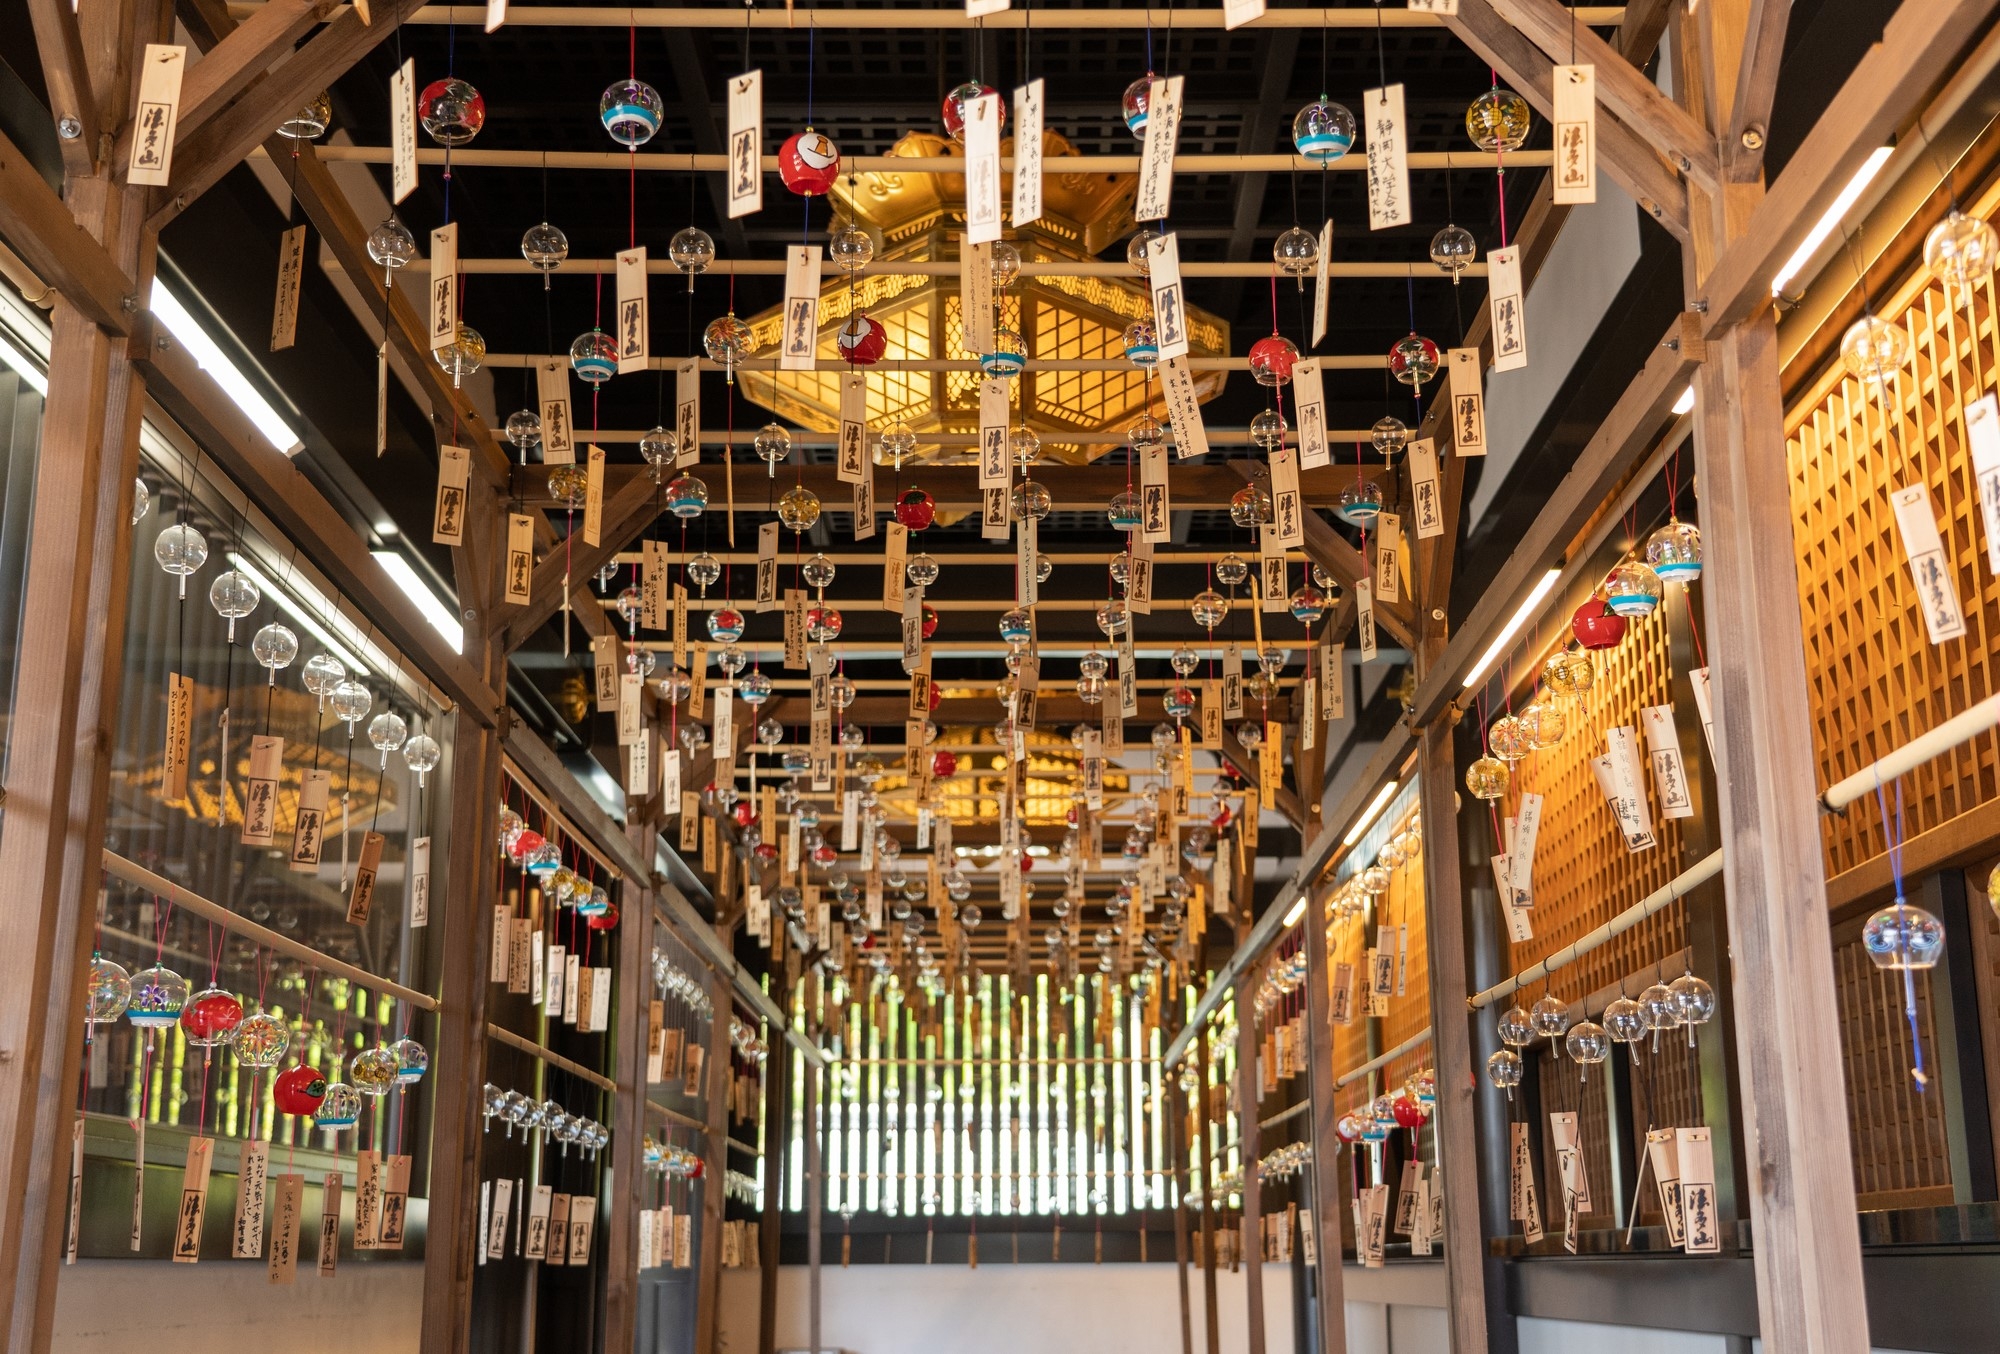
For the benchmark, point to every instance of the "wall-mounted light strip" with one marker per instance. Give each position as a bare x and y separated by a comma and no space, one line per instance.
355,667
404,574
1513,627
1297,910
1368,815
181,324
1830,222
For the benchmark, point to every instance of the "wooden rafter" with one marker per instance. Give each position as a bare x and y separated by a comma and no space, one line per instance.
1747,126
66,72
231,65
1623,153
42,231
627,512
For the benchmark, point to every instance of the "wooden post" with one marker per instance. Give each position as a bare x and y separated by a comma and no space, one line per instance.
631,1010
813,1203
69,665
1329,1302
1246,1128
1810,1295
1177,1154
471,879
777,1135
1210,1150
708,1292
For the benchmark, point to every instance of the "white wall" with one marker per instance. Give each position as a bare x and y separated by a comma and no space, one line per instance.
119,1306
999,1308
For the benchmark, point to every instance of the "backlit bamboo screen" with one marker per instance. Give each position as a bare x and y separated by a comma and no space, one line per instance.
1409,1014
1875,679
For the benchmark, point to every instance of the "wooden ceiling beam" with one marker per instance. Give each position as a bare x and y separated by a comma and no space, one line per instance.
1748,121
627,512
40,228
1623,154
229,67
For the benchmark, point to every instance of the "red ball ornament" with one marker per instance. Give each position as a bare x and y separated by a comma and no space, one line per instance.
930,622
211,1015
1224,816
809,163
697,1167
1408,1112
824,855
1348,1129
745,813
954,108
528,841
1027,863
937,692
607,920
916,509
298,1090
862,341
1274,352
1418,349
944,765
764,851
1596,626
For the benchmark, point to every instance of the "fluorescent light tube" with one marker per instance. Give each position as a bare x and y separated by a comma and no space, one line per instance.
1513,627
434,609
1830,222
355,667
1685,402
1298,910
181,324
1380,803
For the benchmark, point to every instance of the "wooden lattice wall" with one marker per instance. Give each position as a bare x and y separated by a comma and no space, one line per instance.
1875,678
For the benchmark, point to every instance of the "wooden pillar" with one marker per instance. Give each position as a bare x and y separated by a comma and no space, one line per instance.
470,883
632,1008
1329,1302
1477,1318
1800,1184
70,660
777,1136
1177,1153
813,1201
1246,1127
715,1170
1210,1150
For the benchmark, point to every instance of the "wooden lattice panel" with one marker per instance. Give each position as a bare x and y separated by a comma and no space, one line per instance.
1350,1042
1584,876
1897,1133
1410,1013
1875,679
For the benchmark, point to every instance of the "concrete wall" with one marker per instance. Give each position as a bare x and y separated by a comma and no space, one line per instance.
119,1306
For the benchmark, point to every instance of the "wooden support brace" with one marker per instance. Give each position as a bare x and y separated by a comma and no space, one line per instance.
42,231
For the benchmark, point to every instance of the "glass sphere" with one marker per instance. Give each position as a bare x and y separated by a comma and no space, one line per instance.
818,571
1296,252
1005,261
1543,724
630,110
452,111
687,495
1515,1029
798,508
594,357
1507,739
1024,445
1124,511
340,1108
1006,357
731,660
1874,350
1587,1043
422,754
310,122
1208,608
373,1070
142,499
524,429
274,646
1250,733
1016,627
234,595
691,250
849,247
1178,702
1182,660
1498,120
773,444
725,625
387,732
1272,359
1308,604
1136,255
1674,552
1632,589
823,624
756,689
1453,250
391,245
658,447
1487,778
1144,433
158,994
1960,251
1549,1017
1900,936
1113,618
1624,1021
1267,429
704,568
569,485
1503,1069
463,355
1360,502
1030,501
1693,998
350,701
1142,345
544,247
180,549
1134,105
1656,1003
412,1060
728,340
109,991
1389,436
322,674
1568,673
921,570
1323,131
1250,506
1413,360
1231,570
261,1040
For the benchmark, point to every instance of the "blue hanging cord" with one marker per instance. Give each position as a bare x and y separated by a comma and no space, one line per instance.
1894,832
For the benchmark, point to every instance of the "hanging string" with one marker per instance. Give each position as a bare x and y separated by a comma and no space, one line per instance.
1892,831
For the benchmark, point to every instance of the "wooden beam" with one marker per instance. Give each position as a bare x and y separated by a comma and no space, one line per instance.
230,133
66,74
42,231
630,1015
231,65
627,512
1248,1094
1640,30
1916,53
777,1165
1624,155
1631,427
1330,1306
275,485
1747,127
715,1166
